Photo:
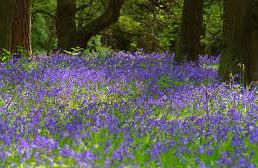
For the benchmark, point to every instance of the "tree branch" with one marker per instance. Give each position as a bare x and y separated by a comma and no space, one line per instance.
109,17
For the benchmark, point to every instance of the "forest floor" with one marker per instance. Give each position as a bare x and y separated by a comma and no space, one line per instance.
126,110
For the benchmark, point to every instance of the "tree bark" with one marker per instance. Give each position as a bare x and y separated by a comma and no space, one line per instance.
188,43
65,23
109,17
6,8
21,27
240,36
251,30
233,36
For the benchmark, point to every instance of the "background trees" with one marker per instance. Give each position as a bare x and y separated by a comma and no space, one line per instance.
189,28
66,25
152,25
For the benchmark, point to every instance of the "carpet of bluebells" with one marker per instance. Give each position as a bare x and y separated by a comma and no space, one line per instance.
125,110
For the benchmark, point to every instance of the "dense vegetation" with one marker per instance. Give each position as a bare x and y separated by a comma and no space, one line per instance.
133,110
129,83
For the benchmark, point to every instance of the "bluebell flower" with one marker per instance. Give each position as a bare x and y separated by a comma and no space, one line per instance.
66,151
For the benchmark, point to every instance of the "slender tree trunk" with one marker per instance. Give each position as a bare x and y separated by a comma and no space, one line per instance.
188,44
65,23
6,8
21,26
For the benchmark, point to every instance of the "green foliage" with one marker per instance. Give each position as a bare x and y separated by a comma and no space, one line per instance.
73,51
39,33
167,37
165,82
5,55
212,18
96,48
128,24
29,66
43,26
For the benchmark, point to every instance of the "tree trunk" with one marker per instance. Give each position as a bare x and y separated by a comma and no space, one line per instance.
188,44
65,23
6,8
251,31
241,41
109,17
233,38
21,27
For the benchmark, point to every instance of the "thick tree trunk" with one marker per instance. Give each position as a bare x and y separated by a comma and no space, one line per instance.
240,36
252,59
109,17
21,26
188,44
251,31
227,19
6,8
65,23
233,53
